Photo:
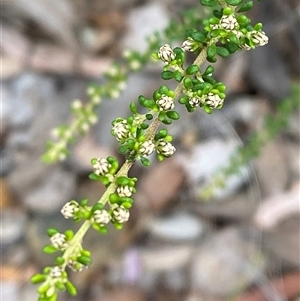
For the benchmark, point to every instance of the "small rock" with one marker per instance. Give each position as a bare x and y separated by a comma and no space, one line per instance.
225,262
166,258
13,226
160,185
178,227
154,15
205,160
271,168
123,294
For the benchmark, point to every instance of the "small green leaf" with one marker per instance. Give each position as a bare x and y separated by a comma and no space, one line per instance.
71,288
193,69
211,51
94,177
187,82
177,76
59,260
146,162
246,6
51,231
234,2
209,3
122,181
173,115
85,260
223,52
166,75
133,108
209,70
113,198
37,278
198,36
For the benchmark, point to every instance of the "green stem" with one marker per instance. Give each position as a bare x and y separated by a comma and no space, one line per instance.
151,131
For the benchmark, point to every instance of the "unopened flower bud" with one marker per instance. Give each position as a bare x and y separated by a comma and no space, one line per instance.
101,167
166,53
259,38
194,102
147,148
69,209
213,100
124,191
120,214
58,240
228,22
121,130
188,45
165,103
101,217
165,148
56,272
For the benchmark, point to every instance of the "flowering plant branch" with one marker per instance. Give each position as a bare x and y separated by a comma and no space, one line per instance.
139,136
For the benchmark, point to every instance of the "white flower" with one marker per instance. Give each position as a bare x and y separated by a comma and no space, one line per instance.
213,100
259,37
91,90
58,240
165,103
101,217
101,167
194,102
166,53
69,209
120,214
135,65
188,45
55,272
124,191
165,148
147,148
93,119
228,22
121,130
96,99
76,104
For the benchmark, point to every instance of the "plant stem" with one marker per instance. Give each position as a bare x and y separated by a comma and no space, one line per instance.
151,131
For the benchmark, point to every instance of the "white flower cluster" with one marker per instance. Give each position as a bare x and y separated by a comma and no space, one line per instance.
165,148
188,45
69,209
121,130
259,38
120,214
101,217
124,191
194,101
213,100
56,272
166,53
147,148
101,167
165,103
58,240
228,22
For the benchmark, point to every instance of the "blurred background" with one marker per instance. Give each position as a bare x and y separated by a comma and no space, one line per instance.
241,245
